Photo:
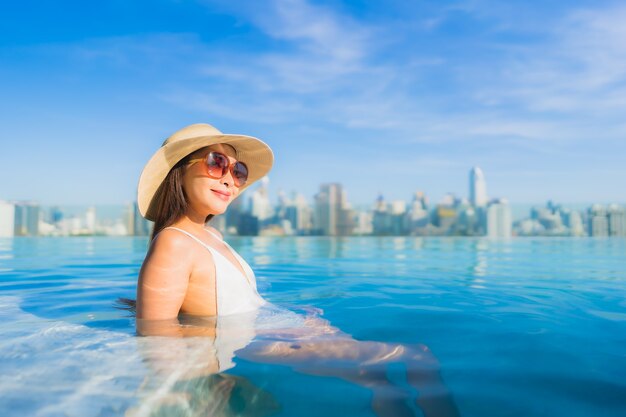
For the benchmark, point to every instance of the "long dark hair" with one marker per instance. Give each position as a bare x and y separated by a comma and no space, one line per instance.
170,200
170,203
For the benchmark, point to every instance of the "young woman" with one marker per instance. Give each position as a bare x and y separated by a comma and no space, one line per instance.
190,271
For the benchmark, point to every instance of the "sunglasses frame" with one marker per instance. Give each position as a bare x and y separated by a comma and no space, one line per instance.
230,167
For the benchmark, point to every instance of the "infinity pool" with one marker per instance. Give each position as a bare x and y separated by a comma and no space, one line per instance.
524,327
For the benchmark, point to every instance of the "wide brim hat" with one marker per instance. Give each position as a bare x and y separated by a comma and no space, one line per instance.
253,152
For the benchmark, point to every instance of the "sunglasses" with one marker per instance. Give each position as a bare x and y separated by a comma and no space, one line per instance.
218,166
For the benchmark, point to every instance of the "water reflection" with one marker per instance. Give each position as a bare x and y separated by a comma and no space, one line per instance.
479,253
306,343
183,379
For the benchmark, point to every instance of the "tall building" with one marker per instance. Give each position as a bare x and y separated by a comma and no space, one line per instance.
137,225
399,218
499,223
90,220
616,220
26,219
598,221
575,223
7,219
446,214
381,218
260,206
333,216
364,223
299,214
418,212
477,188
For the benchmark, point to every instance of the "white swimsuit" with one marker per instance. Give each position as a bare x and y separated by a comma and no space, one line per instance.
238,308
236,293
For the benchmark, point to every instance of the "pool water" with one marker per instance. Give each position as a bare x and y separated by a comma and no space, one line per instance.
521,327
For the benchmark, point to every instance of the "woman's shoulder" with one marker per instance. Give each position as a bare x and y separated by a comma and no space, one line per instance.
172,241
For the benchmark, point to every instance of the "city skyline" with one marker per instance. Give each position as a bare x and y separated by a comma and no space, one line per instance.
383,97
332,214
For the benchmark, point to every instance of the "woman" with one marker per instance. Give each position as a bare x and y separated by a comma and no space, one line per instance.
190,271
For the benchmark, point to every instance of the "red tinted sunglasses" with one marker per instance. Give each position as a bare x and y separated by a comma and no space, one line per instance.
218,166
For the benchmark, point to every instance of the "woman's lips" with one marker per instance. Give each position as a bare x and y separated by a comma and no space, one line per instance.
224,195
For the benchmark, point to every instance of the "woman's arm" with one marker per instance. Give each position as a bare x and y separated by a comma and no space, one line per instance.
164,277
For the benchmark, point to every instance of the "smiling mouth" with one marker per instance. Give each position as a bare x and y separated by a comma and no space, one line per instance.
221,194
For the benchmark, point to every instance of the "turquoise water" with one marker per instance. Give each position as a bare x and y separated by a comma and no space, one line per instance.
526,327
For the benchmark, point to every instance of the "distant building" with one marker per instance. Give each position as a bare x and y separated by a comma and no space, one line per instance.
445,218
299,214
390,219
575,223
90,220
381,218
333,216
467,221
248,225
7,219
477,188
598,221
260,206
499,223
233,216
418,211
26,219
136,224
363,221
616,220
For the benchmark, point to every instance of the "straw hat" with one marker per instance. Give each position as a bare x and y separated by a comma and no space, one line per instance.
251,151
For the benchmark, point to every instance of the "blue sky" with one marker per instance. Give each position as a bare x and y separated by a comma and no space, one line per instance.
385,97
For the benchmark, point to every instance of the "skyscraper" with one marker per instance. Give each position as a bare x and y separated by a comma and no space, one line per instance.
617,220
299,214
332,212
477,188
7,219
26,219
598,221
136,224
260,206
499,222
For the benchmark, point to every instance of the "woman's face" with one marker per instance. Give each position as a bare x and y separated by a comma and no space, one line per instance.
207,195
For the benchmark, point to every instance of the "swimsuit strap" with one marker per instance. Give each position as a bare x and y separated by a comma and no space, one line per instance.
191,236
214,234
214,251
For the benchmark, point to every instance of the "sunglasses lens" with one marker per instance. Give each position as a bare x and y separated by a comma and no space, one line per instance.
217,164
240,174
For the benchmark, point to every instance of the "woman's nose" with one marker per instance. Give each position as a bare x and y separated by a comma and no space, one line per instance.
228,180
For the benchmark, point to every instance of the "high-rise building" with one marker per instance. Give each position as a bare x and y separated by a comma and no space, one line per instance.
499,223
598,221
364,223
7,219
477,188
381,218
299,214
26,219
333,215
260,206
575,223
617,220
137,225
418,212
90,220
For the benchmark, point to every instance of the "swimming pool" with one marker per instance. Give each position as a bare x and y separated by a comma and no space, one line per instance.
525,327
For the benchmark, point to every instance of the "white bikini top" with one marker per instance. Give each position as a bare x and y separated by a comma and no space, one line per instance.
236,293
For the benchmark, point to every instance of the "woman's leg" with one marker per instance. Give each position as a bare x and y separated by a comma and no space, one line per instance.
365,364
